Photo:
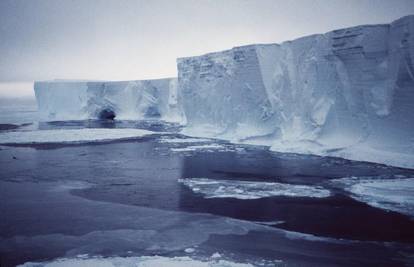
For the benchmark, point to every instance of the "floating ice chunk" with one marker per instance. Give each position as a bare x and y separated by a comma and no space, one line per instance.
216,255
389,194
189,250
70,136
211,188
184,140
208,147
146,261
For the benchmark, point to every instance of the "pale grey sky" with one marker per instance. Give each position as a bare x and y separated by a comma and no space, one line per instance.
118,40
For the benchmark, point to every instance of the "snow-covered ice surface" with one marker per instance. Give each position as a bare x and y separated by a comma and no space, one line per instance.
346,93
212,188
145,261
70,136
127,100
395,194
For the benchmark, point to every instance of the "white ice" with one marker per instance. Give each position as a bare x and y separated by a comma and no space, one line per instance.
390,194
212,188
129,100
184,140
346,93
145,261
207,147
70,136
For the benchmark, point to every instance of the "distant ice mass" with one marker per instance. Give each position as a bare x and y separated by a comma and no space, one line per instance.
70,136
346,93
390,194
212,188
125,100
145,261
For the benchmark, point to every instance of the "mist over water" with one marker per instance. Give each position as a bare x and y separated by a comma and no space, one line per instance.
17,91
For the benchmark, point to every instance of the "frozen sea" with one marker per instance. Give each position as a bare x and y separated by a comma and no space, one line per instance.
139,193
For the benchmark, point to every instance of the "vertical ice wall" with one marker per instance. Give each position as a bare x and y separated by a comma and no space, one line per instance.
76,100
348,93
334,92
224,93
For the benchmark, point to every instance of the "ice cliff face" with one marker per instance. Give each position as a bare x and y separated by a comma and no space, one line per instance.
329,93
72,100
347,93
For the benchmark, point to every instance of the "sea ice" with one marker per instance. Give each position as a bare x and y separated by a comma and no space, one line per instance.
395,194
207,147
70,136
145,261
212,188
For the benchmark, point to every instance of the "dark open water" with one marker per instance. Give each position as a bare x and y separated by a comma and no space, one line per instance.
124,199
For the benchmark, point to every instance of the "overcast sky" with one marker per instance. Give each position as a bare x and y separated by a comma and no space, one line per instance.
118,40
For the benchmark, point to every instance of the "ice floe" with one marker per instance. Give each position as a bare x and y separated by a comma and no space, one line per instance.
184,140
69,136
212,188
207,147
390,194
145,261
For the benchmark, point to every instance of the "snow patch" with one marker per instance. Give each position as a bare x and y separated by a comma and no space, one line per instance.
212,188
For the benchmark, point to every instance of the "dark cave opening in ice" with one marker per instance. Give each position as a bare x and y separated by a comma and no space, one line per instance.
107,114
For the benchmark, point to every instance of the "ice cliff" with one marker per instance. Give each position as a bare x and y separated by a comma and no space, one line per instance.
128,100
347,93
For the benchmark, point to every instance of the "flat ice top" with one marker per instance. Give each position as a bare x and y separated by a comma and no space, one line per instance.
69,136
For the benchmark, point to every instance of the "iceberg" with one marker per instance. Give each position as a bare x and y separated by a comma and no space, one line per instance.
338,93
126,100
347,93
